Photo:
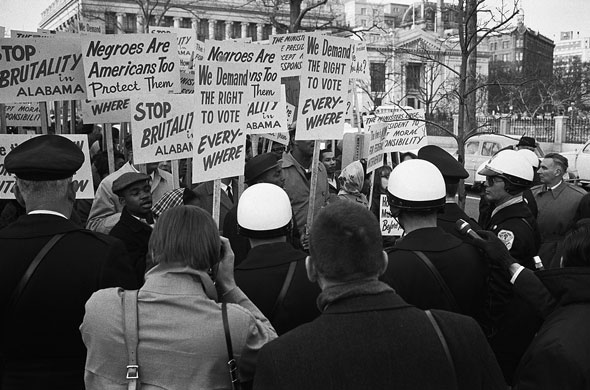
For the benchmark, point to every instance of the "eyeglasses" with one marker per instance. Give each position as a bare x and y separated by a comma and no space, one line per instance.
490,180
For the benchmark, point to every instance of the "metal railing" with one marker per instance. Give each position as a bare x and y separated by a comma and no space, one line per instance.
543,130
577,131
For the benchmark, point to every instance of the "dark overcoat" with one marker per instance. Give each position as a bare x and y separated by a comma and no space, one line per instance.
447,220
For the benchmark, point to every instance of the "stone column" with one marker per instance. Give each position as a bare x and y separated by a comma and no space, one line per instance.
504,125
177,22
560,130
195,24
274,30
212,28
228,26
139,24
259,30
244,29
120,21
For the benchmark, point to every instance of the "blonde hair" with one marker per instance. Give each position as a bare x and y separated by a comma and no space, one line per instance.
187,235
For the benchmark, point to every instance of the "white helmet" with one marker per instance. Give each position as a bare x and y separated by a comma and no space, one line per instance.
511,165
416,185
530,156
479,178
264,211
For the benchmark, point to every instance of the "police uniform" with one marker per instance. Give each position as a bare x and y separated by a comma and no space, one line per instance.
40,340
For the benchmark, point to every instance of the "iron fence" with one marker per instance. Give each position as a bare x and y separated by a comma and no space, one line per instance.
543,130
577,131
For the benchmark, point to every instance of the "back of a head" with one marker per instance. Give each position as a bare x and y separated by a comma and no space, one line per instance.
186,235
576,245
345,242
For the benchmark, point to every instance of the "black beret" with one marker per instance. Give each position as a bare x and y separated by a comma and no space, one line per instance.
527,141
43,158
126,179
449,167
259,164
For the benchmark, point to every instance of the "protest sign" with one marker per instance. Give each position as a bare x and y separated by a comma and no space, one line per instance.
90,27
23,114
324,82
187,82
281,138
292,47
290,113
82,180
360,63
389,225
30,34
200,50
121,65
378,133
33,70
105,111
162,127
406,129
186,39
221,101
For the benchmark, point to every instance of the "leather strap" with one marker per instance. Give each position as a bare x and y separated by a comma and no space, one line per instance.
231,363
131,330
284,289
446,291
445,346
20,287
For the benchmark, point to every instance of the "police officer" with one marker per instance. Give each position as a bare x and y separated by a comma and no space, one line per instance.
452,172
49,268
273,273
429,267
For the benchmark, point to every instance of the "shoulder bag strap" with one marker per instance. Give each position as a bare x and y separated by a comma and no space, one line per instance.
445,346
131,331
231,363
446,291
284,289
20,287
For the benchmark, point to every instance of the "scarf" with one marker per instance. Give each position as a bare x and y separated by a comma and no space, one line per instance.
353,288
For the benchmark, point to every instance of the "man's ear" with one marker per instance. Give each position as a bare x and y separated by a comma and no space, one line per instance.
312,273
384,264
122,201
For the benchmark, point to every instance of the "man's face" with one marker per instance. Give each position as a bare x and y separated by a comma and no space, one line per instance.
151,167
278,150
138,198
495,189
274,176
305,147
329,162
548,172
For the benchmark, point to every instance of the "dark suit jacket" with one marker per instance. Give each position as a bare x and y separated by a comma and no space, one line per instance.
204,192
377,342
447,220
136,236
267,265
40,338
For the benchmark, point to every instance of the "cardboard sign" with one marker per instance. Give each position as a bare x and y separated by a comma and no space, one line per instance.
187,82
389,225
122,65
292,47
360,63
30,34
82,180
106,111
162,127
378,133
23,114
324,86
33,70
221,101
186,39
405,130
94,27
281,138
200,51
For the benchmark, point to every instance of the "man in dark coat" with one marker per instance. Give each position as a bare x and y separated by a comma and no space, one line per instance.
136,223
40,341
288,298
367,336
204,192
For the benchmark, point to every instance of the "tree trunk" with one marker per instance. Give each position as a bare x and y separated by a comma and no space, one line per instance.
294,12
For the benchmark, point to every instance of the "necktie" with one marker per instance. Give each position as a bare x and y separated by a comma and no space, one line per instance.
230,193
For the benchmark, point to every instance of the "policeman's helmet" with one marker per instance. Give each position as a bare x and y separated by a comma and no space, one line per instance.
264,211
510,165
531,157
416,185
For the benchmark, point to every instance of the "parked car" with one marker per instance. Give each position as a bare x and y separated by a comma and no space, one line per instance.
579,165
480,148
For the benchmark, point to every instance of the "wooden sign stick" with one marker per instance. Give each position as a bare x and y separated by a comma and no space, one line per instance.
44,119
216,201
314,184
175,173
57,117
108,134
65,116
3,119
254,138
372,188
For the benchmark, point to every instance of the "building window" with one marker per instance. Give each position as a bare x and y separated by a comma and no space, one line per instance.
236,30
130,23
363,11
251,31
266,31
411,102
219,30
413,77
519,42
186,23
203,29
505,45
519,56
364,23
377,74
110,23
505,57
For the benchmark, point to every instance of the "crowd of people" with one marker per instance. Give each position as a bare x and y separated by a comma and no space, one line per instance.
141,288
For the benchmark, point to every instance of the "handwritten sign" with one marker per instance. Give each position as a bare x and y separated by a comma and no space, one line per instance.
23,114
360,63
186,39
389,225
187,82
117,66
105,111
406,129
377,133
324,82
89,27
281,138
33,70
162,127
292,48
30,34
221,101
82,180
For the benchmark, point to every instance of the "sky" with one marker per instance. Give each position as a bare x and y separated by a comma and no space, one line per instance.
549,17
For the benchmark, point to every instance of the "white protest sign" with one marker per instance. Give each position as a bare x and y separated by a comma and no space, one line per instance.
221,101
360,63
82,180
121,65
290,113
162,127
187,82
292,47
30,34
186,39
105,111
23,114
91,27
378,133
33,70
406,129
389,226
324,86
283,136
200,51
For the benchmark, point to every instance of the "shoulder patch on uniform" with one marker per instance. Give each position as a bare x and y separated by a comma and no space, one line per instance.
507,237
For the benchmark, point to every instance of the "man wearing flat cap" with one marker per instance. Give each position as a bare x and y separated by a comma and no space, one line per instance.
48,269
136,223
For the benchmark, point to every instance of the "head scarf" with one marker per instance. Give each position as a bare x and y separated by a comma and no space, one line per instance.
352,178
170,199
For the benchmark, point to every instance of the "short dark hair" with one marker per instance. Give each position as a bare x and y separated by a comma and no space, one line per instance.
327,150
188,195
576,245
451,188
345,242
559,160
